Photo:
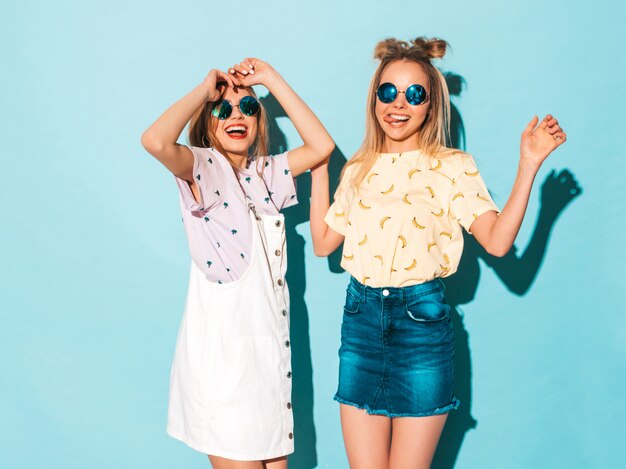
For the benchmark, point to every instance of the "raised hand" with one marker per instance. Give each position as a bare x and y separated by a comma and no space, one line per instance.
251,71
214,82
538,141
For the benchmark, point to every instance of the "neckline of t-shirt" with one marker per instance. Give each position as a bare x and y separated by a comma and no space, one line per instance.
402,153
249,171
252,170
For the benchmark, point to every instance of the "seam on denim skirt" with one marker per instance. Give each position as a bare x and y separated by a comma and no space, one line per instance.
436,287
439,410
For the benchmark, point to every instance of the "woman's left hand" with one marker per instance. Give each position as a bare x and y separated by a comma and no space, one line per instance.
251,71
538,141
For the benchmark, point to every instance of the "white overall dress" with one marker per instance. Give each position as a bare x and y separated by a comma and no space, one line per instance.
230,385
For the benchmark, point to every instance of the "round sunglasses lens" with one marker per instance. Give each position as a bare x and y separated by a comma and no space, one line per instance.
249,105
387,92
225,110
415,94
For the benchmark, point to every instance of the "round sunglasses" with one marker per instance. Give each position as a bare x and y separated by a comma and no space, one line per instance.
248,105
415,94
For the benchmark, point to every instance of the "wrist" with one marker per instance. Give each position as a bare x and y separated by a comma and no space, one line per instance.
527,166
209,92
273,80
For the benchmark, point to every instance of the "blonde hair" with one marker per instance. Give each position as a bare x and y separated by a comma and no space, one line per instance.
434,135
203,124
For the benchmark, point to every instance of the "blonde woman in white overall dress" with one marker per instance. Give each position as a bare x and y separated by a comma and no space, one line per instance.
230,386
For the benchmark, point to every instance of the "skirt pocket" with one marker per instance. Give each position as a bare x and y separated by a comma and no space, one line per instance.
428,308
353,302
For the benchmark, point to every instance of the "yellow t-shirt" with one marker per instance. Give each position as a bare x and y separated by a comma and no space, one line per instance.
403,226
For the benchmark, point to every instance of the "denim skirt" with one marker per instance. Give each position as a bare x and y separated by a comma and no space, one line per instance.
397,350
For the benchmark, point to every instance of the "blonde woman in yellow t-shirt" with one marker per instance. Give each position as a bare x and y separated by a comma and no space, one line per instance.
399,209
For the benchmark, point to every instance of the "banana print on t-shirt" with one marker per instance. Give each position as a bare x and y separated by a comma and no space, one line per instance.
403,225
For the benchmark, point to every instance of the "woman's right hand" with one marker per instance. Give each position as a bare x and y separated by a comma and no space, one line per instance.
214,82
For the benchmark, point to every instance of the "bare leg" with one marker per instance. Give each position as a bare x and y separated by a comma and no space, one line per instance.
414,441
367,438
277,463
223,463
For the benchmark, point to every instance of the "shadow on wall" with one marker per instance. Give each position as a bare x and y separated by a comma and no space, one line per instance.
516,271
305,455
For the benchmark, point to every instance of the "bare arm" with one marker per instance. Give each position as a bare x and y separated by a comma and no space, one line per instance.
496,233
161,137
325,239
317,143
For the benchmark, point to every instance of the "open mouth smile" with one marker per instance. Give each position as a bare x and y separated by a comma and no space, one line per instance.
236,131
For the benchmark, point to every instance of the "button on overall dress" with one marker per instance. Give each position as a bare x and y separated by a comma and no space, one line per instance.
230,385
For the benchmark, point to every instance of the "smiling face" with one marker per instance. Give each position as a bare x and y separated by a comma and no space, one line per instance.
237,133
399,120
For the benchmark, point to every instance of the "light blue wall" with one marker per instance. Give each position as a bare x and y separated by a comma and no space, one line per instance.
94,260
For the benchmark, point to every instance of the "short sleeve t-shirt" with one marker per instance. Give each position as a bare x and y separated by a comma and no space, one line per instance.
218,226
403,225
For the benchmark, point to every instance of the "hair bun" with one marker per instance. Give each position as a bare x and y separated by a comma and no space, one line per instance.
420,48
434,48
389,48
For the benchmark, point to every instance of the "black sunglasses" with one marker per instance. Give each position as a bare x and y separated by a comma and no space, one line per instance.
415,94
248,105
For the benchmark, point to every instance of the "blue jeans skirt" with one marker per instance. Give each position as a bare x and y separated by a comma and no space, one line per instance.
397,350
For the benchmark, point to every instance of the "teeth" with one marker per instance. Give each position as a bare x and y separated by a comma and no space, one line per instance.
398,117
236,128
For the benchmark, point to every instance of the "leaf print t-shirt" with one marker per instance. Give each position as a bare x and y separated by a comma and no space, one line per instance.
403,226
218,226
